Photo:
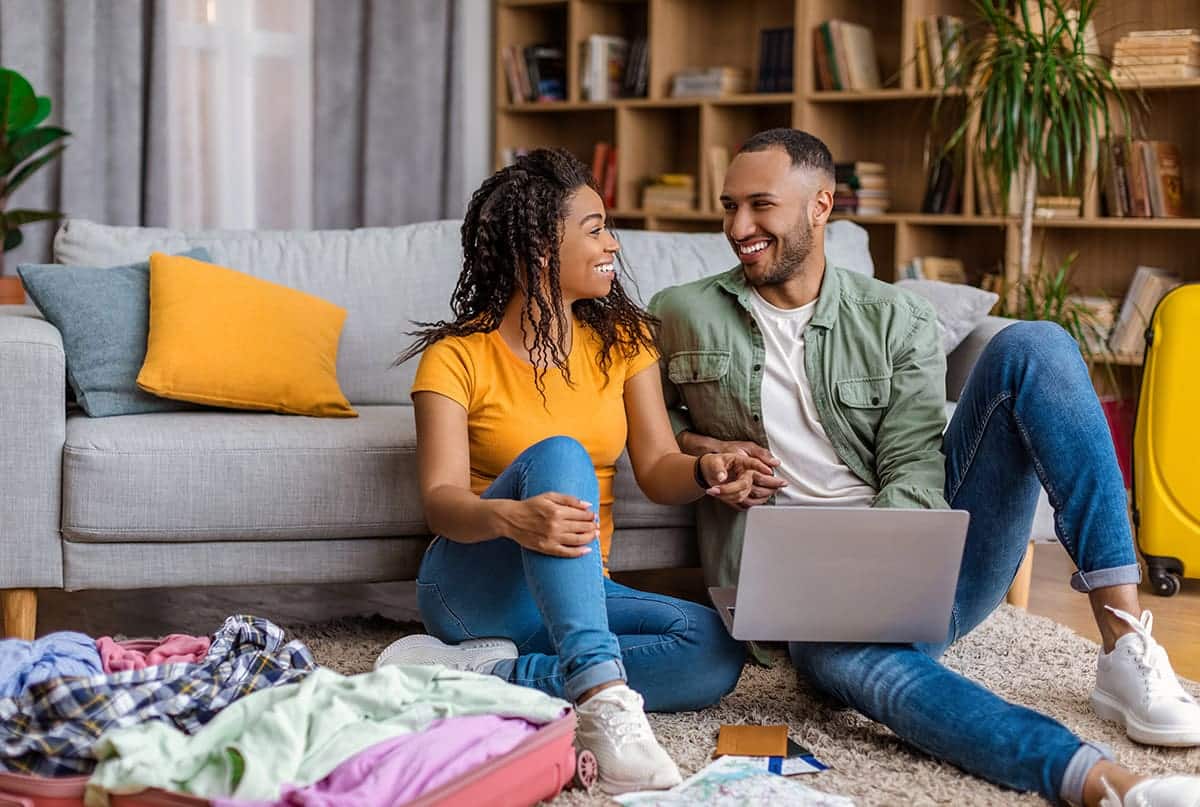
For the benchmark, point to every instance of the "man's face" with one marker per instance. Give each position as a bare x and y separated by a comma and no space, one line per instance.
766,204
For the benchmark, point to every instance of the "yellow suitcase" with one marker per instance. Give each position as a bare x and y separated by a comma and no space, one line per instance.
1166,443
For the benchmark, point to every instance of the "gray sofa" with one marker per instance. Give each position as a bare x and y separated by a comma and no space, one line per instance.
232,498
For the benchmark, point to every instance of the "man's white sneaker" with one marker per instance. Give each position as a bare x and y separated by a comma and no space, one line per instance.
613,726
1136,686
473,655
1162,791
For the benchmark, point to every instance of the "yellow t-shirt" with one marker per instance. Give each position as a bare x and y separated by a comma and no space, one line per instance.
505,414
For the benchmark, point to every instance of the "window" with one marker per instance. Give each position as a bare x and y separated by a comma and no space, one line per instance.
239,122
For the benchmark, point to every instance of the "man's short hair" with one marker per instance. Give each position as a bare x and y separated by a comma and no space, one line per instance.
805,150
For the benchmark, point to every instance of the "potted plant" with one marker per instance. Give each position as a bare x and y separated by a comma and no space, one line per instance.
25,147
1038,99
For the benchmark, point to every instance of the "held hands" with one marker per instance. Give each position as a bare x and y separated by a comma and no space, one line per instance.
741,474
553,524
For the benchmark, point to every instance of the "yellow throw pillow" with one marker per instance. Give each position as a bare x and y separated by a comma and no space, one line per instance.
224,338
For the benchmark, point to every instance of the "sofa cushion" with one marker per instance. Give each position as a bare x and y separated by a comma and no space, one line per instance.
221,337
232,476
632,510
103,315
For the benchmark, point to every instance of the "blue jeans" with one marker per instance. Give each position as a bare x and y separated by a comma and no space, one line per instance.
573,627
1028,418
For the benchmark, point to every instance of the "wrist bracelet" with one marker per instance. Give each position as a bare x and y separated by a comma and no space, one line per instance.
698,475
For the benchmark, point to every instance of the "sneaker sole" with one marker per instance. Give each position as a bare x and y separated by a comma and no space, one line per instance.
1109,708
617,788
428,650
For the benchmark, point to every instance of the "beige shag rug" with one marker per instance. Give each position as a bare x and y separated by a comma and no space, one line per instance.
1027,659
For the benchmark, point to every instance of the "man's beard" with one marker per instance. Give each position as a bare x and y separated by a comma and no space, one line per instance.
794,249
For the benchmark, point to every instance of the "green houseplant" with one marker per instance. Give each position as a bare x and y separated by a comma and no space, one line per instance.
25,147
1038,100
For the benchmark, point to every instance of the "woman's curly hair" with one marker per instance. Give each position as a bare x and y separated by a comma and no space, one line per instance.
514,224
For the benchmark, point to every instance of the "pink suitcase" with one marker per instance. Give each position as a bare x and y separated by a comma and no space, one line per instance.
536,770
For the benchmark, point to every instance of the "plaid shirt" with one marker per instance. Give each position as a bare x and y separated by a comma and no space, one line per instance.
50,729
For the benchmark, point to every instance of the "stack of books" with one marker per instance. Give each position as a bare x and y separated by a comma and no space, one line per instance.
1142,178
535,73
775,60
1148,287
862,188
939,42
1057,207
671,192
845,56
710,82
1158,55
931,267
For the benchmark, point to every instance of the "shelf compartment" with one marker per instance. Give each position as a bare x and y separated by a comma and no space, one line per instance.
516,130
655,141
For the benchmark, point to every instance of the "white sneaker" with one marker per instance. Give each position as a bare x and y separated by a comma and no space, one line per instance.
473,655
613,726
1162,791
1136,686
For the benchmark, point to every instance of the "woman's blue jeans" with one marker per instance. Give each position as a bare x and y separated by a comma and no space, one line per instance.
1028,418
574,628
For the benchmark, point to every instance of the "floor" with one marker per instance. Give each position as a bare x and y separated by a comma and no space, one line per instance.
157,612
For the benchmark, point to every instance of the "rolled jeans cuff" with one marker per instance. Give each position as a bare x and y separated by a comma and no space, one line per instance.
1101,578
1071,789
595,675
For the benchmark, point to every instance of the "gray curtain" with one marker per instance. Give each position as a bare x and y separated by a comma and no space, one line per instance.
393,89
94,59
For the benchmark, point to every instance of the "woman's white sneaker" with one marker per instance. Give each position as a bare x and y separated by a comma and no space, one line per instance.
612,725
473,655
1136,686
1161,791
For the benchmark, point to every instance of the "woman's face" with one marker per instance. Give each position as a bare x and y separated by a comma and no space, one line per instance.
586,257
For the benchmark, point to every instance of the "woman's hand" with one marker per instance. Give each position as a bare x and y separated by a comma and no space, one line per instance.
738,479
552,524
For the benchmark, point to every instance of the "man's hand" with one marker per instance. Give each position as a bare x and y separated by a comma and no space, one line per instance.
731,476
764,483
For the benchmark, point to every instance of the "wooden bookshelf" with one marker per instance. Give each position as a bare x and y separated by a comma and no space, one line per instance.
660,134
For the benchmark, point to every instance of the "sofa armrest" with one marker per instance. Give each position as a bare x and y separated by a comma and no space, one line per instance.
33,425
963,358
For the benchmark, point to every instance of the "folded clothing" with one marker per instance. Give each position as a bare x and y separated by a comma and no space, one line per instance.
299,734
58,655
52,729
405,768
138,654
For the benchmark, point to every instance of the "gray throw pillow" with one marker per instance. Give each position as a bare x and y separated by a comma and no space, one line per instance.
103,315
959,307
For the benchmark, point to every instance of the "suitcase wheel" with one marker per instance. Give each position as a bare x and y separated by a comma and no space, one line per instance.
1165,584
587,770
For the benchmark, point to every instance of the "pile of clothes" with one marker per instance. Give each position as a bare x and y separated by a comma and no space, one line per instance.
245,718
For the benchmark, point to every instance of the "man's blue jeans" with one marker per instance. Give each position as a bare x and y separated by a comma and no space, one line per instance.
573,627
1028,418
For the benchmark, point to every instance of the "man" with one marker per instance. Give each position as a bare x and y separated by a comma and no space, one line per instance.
837,381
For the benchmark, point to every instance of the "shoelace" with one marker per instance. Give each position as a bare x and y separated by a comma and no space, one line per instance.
1161,680
621,722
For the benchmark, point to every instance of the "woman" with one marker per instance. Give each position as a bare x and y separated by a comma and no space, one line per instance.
523,403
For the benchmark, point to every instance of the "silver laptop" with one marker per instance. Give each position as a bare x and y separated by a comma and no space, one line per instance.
845,574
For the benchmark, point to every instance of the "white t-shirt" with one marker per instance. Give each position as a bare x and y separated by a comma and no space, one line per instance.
815,474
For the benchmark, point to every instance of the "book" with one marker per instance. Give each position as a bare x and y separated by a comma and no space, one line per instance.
822,71
1166,180
547,72
1148,286
839,54
602,66
599,162
861,63
709,82
934,38
1112,169
924,75
610,179
717,164
947,270
1139,187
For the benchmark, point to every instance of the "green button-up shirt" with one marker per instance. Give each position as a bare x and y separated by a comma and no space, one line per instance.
873,358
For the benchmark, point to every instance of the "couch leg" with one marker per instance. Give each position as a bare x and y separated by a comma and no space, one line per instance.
19,606
1018,593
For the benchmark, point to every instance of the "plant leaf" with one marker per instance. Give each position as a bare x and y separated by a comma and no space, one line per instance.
43,112
27,170
19,218
18,104
25,145
12,239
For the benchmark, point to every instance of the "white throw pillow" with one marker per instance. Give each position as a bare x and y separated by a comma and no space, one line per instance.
959,307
